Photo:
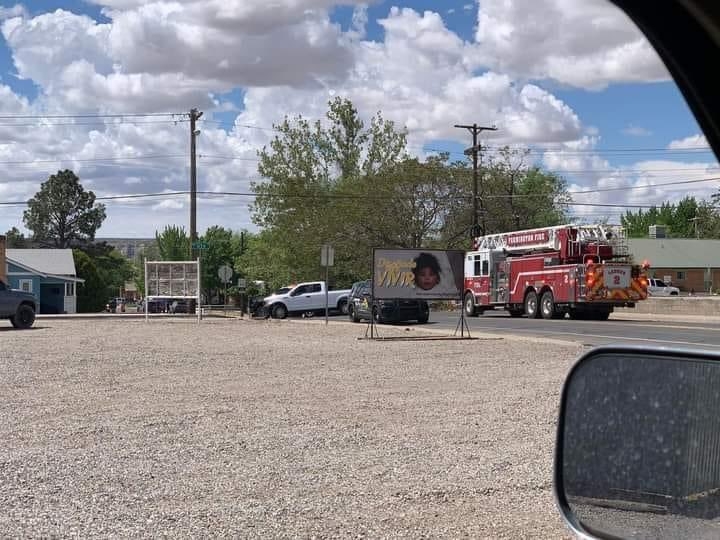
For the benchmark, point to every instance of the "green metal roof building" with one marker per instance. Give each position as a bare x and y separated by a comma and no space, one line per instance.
690,264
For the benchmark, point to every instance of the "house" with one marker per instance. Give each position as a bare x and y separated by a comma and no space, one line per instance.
47,273
688,264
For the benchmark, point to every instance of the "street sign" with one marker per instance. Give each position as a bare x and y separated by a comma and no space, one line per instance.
225,273
242,283
200,245
327,255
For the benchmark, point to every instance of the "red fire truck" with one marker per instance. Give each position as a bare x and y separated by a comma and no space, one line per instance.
582,270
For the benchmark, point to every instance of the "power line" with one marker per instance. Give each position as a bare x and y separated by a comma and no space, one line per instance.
88,115
85,160
328,196
108,124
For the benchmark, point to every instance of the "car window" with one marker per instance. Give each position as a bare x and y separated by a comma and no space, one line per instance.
302,289
659,283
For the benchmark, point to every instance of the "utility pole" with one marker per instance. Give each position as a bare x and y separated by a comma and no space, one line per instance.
474,150
194,132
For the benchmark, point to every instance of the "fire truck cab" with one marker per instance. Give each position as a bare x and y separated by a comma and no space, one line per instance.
581,270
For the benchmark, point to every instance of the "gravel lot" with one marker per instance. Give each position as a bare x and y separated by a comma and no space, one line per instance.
274,429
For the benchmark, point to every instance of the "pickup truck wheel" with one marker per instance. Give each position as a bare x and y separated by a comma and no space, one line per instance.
24,317
343,307
354,317
279,311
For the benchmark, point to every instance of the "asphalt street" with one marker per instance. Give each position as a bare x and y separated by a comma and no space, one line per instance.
638,331
626,331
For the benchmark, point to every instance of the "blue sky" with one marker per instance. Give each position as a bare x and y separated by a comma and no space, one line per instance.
596,107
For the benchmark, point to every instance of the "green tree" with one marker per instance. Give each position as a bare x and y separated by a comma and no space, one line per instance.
224,247
173,243
689,218
354,187
91,295
265,259
15,239
513,196
62,212
114,271
312,173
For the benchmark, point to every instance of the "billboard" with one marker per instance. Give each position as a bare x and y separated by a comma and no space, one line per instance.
172,279
423,274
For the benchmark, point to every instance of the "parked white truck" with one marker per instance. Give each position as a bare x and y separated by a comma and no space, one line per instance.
304,298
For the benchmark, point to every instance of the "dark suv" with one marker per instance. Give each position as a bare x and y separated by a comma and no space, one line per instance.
394,310
17,306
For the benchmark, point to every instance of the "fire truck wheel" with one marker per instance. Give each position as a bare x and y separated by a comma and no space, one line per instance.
547,305
469,306
531,305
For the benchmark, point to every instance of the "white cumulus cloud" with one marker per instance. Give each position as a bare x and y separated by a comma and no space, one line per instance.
587,44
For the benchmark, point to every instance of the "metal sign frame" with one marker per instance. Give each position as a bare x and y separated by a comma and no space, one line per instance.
187,285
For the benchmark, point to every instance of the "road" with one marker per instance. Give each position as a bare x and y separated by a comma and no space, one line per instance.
592,333
628,331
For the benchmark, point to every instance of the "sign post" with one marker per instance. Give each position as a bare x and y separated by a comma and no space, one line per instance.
225,274
327,259
242,287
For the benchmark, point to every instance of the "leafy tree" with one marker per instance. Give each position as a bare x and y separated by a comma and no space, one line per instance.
514,196
173,243
355,187
114,271
686,219
224,247
105,272
91,295
310,169
264,259
62,212
15,239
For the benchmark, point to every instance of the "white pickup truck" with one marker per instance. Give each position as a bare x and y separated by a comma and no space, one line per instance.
657,287
304,298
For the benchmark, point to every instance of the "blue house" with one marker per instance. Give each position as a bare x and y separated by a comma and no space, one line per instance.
47,273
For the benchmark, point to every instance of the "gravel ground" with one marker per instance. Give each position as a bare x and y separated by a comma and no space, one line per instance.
280,429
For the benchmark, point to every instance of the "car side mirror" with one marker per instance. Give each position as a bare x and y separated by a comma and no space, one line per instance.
638,444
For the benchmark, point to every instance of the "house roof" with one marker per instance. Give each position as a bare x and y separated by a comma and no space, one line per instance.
676,252
58,262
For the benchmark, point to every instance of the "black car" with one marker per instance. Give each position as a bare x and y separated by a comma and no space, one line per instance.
385,310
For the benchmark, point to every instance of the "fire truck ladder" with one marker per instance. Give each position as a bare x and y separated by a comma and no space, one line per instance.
499,240
602,234
612,235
